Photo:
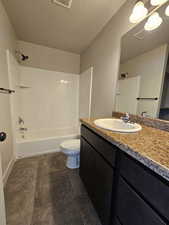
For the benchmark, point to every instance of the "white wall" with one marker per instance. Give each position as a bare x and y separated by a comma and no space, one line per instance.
48,104
165,96
7,41
103,54
151,67
127,94
49,58
13,76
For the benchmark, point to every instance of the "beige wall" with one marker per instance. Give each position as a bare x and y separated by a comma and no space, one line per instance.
103,55
49,58
7,41
151,67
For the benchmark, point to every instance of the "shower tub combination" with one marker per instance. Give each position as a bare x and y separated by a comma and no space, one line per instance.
43,142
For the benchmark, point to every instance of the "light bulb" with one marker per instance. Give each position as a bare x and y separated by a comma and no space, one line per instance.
157,2
138,13
153,22
167,11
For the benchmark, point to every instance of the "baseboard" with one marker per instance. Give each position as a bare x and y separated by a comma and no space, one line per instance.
27,155
8,171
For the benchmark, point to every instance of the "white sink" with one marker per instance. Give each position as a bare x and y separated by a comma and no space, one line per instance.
117,125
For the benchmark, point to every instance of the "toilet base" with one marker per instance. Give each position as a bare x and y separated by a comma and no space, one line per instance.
73,161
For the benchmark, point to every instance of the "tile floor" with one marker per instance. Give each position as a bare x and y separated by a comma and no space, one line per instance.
42,191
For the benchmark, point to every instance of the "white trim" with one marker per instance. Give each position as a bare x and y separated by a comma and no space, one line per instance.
27,154
91,88
8,171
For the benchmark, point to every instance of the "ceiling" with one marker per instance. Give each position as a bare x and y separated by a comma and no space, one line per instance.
44,23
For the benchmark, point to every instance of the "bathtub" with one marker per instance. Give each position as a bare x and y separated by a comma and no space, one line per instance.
43,142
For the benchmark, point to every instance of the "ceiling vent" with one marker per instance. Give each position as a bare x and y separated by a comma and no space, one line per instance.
64,3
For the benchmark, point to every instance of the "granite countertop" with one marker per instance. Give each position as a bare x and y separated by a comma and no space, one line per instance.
150,146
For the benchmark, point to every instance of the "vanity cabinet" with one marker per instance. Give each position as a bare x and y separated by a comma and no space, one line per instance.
97,173
132,209
123,190
150,186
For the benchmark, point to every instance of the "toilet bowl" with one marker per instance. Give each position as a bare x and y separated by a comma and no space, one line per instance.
71,149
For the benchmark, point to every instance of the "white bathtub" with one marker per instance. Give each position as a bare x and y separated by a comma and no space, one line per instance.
43,142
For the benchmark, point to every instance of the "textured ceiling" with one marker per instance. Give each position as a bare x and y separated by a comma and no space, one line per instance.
44,23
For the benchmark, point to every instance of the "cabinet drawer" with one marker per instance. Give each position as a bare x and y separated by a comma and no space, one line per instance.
103,147
150,186
132,210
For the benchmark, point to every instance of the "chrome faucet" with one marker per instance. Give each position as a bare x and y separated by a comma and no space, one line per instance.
126,118
144,114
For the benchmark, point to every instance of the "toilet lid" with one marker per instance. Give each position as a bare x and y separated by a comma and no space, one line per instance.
73,144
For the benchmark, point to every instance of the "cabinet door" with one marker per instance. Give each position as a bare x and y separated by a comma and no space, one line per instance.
116,222
97,176
132,210
147,184
87,173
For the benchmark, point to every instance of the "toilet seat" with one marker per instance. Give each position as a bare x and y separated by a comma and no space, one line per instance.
71,146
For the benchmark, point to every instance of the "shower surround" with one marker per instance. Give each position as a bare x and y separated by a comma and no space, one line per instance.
49,106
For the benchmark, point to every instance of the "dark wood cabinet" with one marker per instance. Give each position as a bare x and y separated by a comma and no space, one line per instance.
132,209
98,177
123,190
107,150
116,222
150,186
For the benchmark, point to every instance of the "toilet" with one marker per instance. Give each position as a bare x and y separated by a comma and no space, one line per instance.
71,149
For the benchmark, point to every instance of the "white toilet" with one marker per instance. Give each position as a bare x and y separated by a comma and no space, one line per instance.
71,149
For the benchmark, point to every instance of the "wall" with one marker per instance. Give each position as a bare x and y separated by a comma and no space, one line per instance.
151,67
7,41
85,92
50,58
165,96
13,77
48,104
103,54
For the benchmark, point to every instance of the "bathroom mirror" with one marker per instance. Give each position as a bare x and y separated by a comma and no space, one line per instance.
143,82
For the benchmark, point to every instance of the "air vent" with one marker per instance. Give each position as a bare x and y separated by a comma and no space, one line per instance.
64,3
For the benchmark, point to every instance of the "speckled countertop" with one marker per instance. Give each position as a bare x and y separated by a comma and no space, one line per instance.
150,145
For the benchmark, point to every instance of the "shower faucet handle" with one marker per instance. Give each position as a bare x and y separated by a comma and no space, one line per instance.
20,120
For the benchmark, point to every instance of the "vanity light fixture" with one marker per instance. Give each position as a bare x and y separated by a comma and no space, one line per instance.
153,22
138,13
157,2
167,11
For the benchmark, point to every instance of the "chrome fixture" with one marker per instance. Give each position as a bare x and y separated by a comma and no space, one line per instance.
20,56
144,114
23,129
126,118
20,120
6,91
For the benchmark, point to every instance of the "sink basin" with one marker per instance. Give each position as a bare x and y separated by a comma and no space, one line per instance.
117,125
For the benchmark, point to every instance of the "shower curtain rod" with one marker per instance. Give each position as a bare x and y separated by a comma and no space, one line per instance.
6,91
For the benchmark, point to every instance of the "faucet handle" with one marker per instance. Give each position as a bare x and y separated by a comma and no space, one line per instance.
127,114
